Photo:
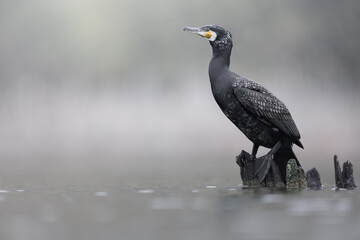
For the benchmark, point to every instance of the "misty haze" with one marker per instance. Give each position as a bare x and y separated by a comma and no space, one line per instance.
102,99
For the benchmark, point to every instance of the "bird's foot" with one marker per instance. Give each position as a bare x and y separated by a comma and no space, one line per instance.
262,166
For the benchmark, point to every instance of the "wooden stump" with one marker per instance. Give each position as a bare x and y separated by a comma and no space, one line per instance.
247,169
295,174
344,178
313,179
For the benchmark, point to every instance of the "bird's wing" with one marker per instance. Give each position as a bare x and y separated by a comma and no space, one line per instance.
259,101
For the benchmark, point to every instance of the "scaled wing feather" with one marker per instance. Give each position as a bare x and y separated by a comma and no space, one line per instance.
259,101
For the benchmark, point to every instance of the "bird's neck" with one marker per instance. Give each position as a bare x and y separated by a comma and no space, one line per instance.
220,61
218,69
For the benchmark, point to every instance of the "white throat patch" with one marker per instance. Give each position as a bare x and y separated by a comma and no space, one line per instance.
213,36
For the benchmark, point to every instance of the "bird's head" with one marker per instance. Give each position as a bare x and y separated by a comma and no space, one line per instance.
218,36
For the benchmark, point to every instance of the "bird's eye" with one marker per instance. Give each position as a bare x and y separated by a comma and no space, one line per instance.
207,29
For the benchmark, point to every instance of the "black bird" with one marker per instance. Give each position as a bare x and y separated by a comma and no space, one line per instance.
253,109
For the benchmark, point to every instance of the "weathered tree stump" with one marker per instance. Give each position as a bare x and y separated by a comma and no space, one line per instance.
295,174
344,178
313,179
338,175
247,169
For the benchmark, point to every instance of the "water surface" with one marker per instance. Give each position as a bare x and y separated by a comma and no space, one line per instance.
184,212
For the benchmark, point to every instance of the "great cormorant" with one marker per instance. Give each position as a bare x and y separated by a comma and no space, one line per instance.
262,117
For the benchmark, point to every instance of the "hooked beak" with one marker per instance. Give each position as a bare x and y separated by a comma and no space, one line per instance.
200,31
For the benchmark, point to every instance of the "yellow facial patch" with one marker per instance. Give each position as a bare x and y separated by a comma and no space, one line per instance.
210,35
207,35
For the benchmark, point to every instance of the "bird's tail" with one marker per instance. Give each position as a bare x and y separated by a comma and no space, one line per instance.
281,157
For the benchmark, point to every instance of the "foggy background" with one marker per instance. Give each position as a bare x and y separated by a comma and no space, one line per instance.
114,92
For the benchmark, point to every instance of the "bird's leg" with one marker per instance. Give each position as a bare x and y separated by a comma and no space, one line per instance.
262,164
254,151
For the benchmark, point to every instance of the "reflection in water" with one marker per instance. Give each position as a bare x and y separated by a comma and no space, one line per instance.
291,214
320,206
167,203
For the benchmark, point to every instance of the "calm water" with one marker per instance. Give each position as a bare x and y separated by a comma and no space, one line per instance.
179,212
